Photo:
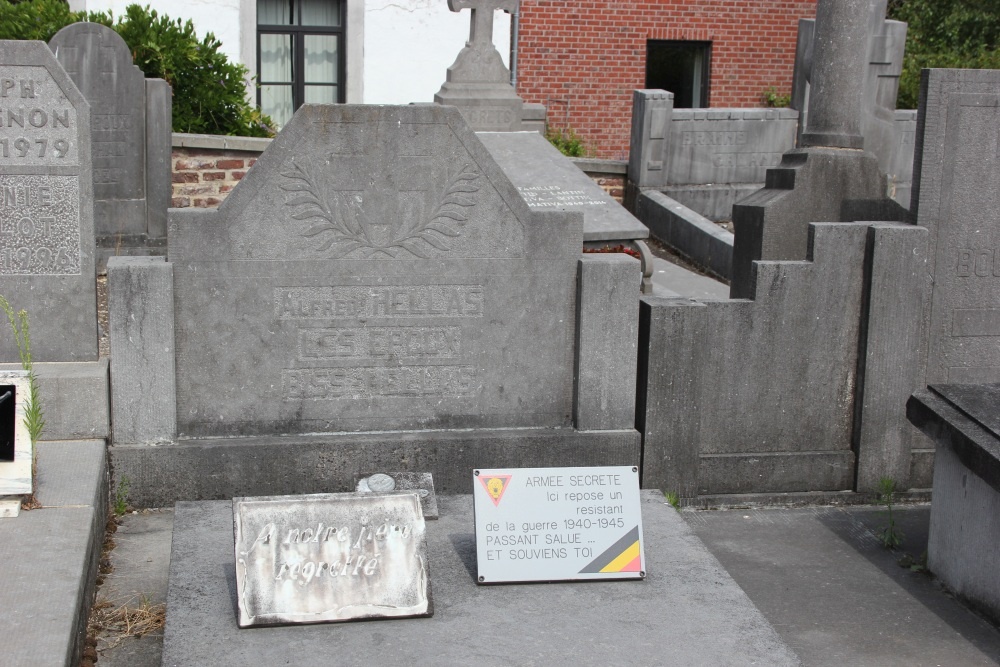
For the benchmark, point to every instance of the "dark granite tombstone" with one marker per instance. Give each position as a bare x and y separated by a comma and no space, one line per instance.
46,205
130,128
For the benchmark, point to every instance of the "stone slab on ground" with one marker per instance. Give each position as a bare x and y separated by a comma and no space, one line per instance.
548,180
686,611
48,556
824,581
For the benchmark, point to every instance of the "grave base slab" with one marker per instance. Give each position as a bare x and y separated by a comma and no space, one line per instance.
222,468
687,611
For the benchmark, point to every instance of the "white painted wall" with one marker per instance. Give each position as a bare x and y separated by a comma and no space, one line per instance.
399,51
409,45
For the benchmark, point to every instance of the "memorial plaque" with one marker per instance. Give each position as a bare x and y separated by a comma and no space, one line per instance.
422,483
330,557
16,459
552,524
46,215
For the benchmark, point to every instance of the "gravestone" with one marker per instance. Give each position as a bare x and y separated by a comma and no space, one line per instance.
46,205
478,82
377,272
131,135
706,159
956,181
548,180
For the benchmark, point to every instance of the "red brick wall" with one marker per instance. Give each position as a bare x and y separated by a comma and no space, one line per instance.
583,58
203,177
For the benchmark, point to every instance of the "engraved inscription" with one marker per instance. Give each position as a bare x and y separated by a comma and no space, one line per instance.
542,196
714,138
110,134
488,116
36,131
380,343
39,225
981,263
746,159
325,384
397,301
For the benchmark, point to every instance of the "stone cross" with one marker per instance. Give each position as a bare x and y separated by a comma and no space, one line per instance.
481,33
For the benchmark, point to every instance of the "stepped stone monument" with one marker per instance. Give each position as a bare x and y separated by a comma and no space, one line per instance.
811,263
478,83
829,178
377,279
131,134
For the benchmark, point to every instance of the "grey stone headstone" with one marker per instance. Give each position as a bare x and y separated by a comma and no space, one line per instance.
46,205
548,180
375,270
100,64
422,483
956,186
330,557
478,82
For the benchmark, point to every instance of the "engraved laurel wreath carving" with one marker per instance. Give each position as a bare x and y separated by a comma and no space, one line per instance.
346,227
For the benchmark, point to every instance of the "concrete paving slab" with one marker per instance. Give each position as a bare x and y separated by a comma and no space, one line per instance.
48,557
669,279
687,611
823,579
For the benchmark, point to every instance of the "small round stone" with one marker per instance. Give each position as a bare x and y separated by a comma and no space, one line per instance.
380,483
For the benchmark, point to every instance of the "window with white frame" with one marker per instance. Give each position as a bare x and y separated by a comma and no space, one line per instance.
300,55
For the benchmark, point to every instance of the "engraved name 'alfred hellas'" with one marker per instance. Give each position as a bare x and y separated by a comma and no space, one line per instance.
347,226
311,554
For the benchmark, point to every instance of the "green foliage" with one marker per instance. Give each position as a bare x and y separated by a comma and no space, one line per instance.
945,33
35,19
121,495
673,499
771,98
568,142
209,91
890,535
34,420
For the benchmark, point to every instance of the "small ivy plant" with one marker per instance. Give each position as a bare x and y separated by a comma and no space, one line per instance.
773,99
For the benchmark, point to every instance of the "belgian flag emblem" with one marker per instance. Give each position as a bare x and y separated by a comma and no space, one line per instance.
625,555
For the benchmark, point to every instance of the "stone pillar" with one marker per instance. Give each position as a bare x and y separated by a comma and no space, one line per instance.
651,112
840,57
159,107
606,342
141,323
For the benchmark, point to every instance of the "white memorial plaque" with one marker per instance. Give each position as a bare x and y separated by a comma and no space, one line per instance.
330,557
553,524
